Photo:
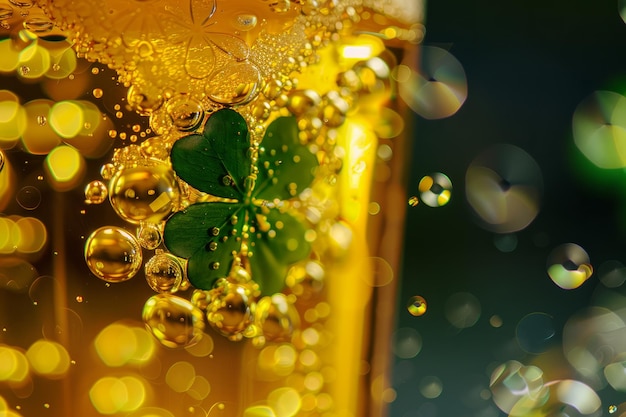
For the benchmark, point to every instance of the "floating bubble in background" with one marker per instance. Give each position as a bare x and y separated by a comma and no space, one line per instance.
612,273
462,310
407,343
599,128
503,185
514,385
438,89
592,339
535,332
435,189
417,306
28,197
569,266
430,387
505,242
96,192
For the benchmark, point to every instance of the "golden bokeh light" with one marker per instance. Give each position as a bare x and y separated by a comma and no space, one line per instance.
48,359
65,167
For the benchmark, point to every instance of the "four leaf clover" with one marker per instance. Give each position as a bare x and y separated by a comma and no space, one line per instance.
252,218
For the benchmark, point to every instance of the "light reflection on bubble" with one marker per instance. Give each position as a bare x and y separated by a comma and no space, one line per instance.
173,320
504,186
592,339
535,332
569,266
407,343
615,374
417,305
599,128
612,273
462,310
515,386
435,189
438,89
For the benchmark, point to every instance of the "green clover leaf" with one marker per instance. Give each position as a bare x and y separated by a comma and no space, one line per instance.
253,220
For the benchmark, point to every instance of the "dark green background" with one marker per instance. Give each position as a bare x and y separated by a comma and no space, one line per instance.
528,65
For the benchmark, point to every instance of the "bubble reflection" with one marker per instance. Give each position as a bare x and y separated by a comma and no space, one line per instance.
569,266
438,89
535,332
504,186
462,310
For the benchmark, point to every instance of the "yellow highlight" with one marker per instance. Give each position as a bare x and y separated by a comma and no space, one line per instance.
34,61
259,411
65,166
32,235
7,228
12,123
360,48
48,359
117,344
67,118
13,365
285,402
39,138
180,376
110,395
10,56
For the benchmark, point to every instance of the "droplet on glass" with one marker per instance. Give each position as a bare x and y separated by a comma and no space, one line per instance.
112,254
569,266
503,185
535,332
174,321
29,197
164,273
435,189
185,112
417,305
235,83
96,192
144,193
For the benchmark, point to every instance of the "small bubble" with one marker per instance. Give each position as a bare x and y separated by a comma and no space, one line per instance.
417,305
96,192
214,231
569,266
612,408
164,273
29,198
42,120
46,405
214,265
413,201
95,70
97,92
79,298
435,189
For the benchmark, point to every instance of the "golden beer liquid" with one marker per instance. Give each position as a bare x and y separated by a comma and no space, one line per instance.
124,80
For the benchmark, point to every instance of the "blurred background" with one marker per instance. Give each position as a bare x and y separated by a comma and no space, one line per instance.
533,158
